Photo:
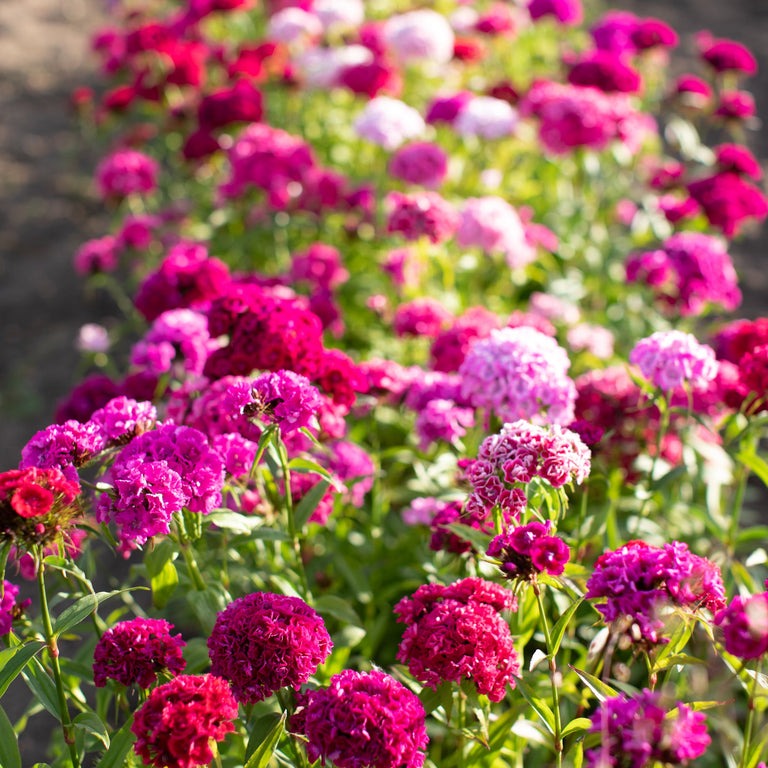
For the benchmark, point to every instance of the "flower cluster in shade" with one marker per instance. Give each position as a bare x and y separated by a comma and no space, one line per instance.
671,359
37,505
175,726
156,475
643,584
10,609
263,642
529,549
637,731
136,651
519,373
744,624
690,272
455,633
362,720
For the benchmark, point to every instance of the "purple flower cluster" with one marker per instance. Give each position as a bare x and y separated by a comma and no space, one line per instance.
669,359
638,731
455,633
690,271
362,720
641,583
263,642
443,420
744,624
176,724
519,373
136,651
529,549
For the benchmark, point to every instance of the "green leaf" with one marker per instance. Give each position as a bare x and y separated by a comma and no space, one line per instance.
540,707
477,539
261,755
338,608
234,522
755,463
10,757
308,467
558,631
602,690
80,609
90,722
677,641
13,661
156,558
309,503
164,584
119,746
579,725
676,659
42,686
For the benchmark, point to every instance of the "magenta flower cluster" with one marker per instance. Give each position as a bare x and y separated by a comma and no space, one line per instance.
362,720
641,583
638,731
669,359
175,726
126,172
519,373
263,642
136,651
455,633
529,549
744,624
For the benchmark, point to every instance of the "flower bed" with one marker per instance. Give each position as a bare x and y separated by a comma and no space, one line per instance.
424,431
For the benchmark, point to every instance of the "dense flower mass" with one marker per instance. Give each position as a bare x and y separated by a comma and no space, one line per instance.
263,642
136,651
641,583
176,724
362,720
669,359
744,623
519,373
638,731
455,633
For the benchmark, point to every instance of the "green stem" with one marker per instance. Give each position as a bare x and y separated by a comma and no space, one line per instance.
53,654
749,728
742,473
189,557
556,738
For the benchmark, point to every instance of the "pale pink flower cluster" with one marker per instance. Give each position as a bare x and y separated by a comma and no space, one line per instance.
668,359
293,26
486,118
519,373
389,122
422,35
494,225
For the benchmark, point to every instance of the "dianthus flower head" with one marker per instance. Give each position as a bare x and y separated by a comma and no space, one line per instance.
97,255
65,446
726,55
420,35
642,584
519,373
285,398
669,359
455,633
362,720
605,70
176,724
10,610
486,118
613,32
736,105
136,651
421,214
122,418
37,505
421,317
728,199
126,172
565,11
526,550
744,624
263,642
638,731
389,122
443,420
451,345
319,265
421,163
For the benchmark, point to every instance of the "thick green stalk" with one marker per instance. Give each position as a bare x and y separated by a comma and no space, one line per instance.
67,727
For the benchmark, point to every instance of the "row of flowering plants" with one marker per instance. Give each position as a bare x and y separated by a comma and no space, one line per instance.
425,432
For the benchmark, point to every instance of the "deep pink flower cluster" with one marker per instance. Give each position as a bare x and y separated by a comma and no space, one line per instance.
519,373
100,254
421,214
605,70
640,583
472,515
728,199
451,345
738,337
421,163
443,420
521,451
529,549
263,642
126,172
669,359
123,418
362,720
187,277
725,55
65,446
176,724
136,651
354,467
421,317
744,624
455,633
638,731
284,398
688,273
565,11
319,265
493,225
10,610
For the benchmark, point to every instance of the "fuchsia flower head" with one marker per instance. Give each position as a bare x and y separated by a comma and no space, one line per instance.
126,172
263,642
455,633
726,55
176,724
565,11
362,720
420,163
744,624
284,397
420,35
421,214
529,549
